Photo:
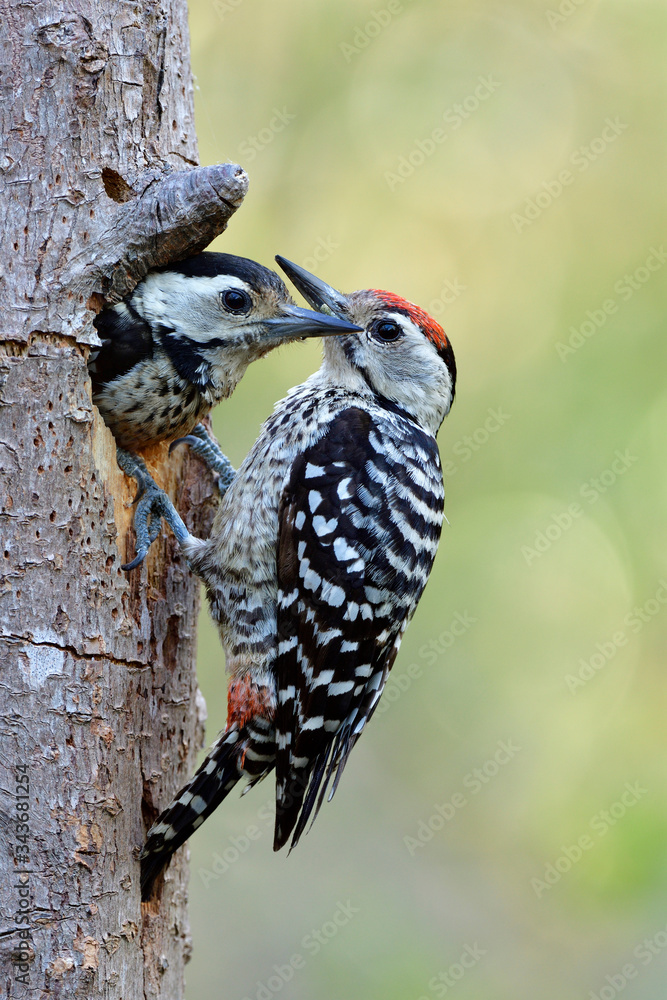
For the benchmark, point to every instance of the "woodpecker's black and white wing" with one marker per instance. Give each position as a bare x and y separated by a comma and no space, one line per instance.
360,520
126,340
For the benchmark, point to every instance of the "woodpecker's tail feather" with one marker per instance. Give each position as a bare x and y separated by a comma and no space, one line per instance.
216,777
300,798
300,794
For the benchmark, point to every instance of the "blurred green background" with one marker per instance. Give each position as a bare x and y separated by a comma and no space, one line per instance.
500,831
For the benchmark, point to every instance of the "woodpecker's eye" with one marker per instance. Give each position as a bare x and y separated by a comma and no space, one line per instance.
235,301
386,331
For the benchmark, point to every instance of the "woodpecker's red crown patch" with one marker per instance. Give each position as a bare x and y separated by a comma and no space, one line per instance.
431,328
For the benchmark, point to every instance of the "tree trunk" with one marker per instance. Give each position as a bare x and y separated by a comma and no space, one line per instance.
98,699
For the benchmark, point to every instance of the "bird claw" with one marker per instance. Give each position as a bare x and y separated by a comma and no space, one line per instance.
147,521
204,445
151,505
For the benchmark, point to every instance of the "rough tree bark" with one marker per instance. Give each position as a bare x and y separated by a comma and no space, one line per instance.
98,696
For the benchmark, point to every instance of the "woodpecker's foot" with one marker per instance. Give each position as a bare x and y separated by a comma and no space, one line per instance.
208,448
151,504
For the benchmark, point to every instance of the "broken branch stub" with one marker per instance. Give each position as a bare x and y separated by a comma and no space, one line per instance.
174,216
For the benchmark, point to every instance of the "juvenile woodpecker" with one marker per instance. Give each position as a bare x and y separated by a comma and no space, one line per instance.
319,553
182,340
177,345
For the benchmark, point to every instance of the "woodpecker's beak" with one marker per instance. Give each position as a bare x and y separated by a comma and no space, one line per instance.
296,323
314,290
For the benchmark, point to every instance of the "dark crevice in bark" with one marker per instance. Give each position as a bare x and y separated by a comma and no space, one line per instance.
116,186
76,653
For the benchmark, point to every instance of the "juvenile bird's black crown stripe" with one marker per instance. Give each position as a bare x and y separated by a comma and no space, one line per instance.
210,264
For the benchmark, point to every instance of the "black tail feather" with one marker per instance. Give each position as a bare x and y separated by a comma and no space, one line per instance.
303,797
216,777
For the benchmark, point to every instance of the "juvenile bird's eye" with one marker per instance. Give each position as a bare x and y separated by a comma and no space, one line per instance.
386,331
235,301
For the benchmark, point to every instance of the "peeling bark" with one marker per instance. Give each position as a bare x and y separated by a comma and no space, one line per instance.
100,714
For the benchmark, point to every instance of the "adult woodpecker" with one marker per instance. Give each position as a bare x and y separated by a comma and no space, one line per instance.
181,342
318,555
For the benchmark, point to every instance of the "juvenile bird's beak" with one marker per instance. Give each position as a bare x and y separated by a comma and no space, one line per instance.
296,322
314,290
